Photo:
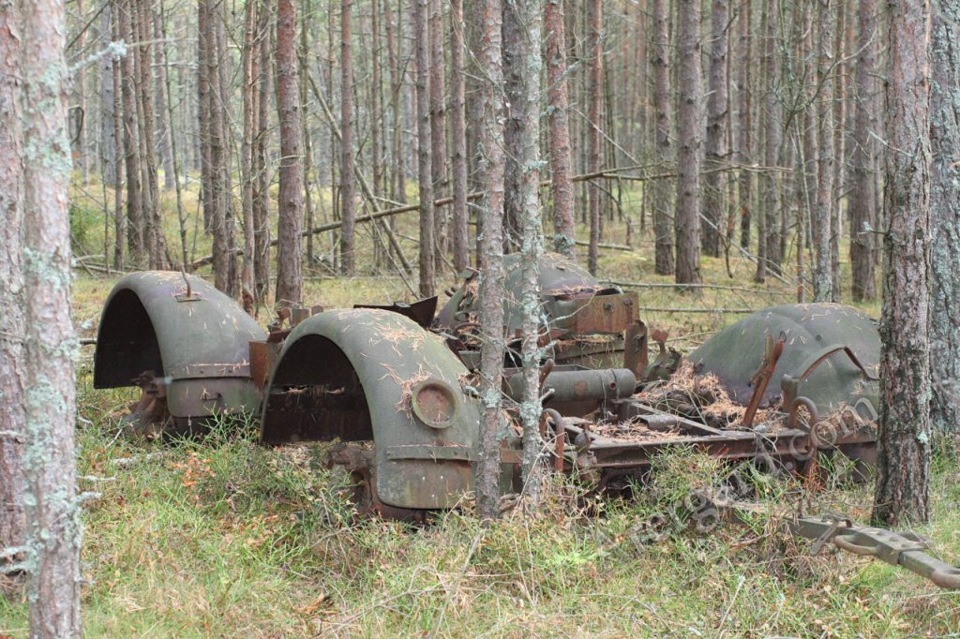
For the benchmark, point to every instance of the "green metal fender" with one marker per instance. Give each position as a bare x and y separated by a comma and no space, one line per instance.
193,336
369,374
830,356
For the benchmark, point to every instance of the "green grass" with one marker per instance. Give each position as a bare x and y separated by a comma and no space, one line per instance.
228,538
225,538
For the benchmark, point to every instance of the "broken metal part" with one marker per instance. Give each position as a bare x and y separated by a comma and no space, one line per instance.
762,377
667,361
576,391
636,349
899,549
421,311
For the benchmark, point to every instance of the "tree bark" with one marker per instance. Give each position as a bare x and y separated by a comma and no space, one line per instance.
561,170
594,138
662,192
513,81
461,246
772,183
108,158
438,133
261,189
821,223
747,150
529,62
863,214
289,278
424,149
153,231
945,258
42,384
903,443
491,258
12,302
250,63
348,181
131,142
715,149
687,215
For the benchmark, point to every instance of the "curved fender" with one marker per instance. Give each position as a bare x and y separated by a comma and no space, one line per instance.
811,331
198,340
359,374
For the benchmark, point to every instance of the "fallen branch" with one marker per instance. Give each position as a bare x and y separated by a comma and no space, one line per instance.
718,287
612,247
651,309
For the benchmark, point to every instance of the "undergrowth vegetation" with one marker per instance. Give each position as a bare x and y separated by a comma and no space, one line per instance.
222,537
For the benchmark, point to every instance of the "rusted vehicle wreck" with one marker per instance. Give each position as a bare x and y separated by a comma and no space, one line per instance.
394,386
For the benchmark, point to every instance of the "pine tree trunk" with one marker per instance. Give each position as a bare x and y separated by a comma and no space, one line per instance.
715,149
438,133
250,55
108,158
903,441
594,137
424,148
458,114
289,278
747,147
662,191
348,181
821,223
945,258
131,142
529,63
44,371
863,216
687,215
261,189
491,258
773,213
561,171
513,81
12,302
164,125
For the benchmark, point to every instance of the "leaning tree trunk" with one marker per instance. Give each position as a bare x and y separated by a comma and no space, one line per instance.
687,215
289,279
903,463
945,260
561,169
491,259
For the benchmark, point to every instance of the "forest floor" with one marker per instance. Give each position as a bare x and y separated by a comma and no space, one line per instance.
227,538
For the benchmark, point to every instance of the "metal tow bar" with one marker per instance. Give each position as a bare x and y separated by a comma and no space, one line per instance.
899,549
